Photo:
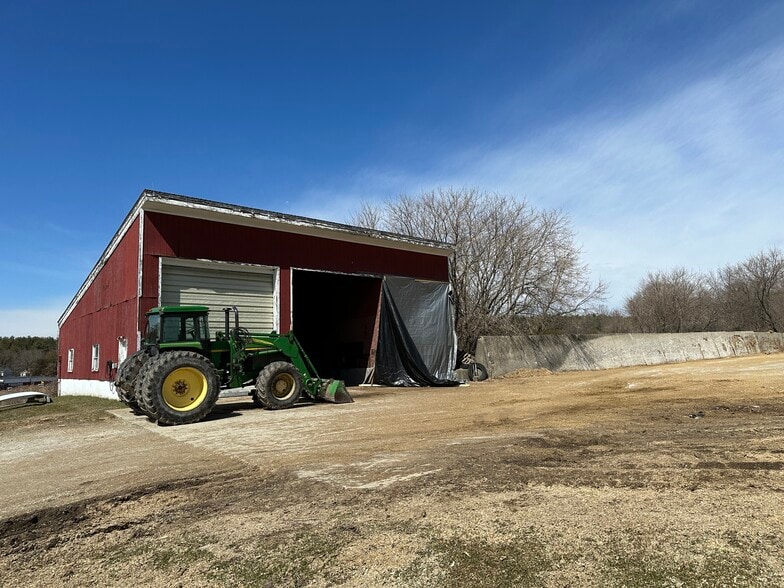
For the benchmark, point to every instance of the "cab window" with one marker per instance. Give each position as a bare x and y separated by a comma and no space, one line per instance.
178,328
171,329
153,321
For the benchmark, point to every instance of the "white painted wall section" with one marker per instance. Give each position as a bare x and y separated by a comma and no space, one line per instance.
67,387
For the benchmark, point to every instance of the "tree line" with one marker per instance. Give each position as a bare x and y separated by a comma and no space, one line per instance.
745,296
36,355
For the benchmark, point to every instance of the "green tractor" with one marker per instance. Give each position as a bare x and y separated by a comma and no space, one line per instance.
178,374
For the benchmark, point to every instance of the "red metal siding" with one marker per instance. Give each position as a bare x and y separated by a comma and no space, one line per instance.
106,311
175,236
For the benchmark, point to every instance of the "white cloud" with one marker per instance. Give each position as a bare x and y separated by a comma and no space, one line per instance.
32,322
694,180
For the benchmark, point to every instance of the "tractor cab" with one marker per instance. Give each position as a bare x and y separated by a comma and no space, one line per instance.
178,327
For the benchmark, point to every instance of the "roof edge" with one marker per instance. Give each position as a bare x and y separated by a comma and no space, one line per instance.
284,220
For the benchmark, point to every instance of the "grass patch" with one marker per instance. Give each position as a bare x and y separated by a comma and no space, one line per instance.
181,553
634,567
293,559
478,563
158,558
64,410
126,552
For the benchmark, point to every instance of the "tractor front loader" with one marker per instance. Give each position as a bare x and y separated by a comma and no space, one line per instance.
178,374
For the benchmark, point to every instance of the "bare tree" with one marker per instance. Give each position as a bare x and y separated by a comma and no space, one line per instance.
672,302
515,268
369,215
751,293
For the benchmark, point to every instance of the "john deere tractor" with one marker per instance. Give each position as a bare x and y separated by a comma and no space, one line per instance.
178,374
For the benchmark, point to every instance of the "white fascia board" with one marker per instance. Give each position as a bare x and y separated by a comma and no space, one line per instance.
155,202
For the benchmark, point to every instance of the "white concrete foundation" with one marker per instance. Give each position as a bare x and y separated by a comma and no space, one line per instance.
69,387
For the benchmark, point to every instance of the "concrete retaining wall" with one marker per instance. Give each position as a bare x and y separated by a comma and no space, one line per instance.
596,352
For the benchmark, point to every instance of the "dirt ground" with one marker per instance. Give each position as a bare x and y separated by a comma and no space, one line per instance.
651,476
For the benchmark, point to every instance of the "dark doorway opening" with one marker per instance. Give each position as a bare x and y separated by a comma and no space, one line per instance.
334,316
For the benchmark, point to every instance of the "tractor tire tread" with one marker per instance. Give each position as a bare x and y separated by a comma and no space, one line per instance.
263,394
126,380
143,396
151,393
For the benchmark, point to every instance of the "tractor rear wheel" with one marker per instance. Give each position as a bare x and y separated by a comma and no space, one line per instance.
279,385
127,376
140,397
131,403
179,387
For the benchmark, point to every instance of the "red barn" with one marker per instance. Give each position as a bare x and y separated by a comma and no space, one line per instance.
321,279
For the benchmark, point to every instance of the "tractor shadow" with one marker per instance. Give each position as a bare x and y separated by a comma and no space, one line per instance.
239,408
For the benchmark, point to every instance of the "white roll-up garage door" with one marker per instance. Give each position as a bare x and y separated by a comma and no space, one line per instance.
220,285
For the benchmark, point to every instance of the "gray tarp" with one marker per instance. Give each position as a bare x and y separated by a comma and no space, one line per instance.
417,343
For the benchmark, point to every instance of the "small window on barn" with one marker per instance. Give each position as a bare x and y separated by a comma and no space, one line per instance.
70,361
96,356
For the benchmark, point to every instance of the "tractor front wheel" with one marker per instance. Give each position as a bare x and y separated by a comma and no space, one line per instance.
179,387
279,385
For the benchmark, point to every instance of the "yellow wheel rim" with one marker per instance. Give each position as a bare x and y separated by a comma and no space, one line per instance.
283,386
184,389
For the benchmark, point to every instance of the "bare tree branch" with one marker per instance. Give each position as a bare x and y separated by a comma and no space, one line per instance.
515,268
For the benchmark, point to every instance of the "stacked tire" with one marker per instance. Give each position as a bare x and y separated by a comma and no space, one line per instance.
477,372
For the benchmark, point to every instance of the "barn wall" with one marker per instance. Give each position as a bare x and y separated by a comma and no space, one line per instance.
176,236
106,310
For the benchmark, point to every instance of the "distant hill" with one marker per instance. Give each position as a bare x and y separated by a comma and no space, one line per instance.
35,355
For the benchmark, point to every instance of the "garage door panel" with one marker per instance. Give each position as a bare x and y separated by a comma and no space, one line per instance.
226,285
218,287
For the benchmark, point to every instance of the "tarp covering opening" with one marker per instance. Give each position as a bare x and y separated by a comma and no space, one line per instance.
417,345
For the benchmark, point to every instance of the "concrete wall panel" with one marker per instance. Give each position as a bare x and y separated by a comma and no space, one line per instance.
502,355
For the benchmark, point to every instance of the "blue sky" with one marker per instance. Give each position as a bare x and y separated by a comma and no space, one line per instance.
658,127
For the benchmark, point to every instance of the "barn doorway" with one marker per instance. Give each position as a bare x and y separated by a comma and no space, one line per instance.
335,317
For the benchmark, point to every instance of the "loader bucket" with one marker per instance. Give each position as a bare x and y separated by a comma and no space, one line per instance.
334,391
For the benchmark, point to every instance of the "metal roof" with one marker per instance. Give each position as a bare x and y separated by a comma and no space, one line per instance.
190,206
